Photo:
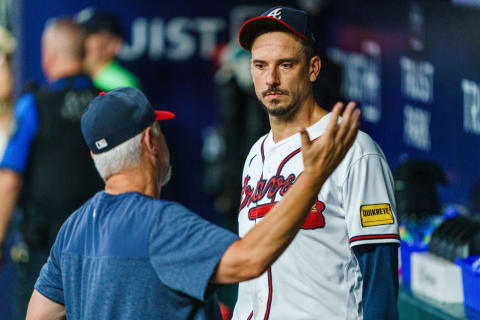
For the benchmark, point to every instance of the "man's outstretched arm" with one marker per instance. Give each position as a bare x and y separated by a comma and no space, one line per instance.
250,256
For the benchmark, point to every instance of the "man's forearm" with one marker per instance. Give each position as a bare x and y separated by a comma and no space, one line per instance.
42,308
268,239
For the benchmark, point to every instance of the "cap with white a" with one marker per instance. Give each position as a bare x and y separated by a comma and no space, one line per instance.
276,18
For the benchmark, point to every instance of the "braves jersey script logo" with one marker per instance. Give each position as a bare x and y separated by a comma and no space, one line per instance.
276,185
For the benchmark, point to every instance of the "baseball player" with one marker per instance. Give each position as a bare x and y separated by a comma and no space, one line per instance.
343,262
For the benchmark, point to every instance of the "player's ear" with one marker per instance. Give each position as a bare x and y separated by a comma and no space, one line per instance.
314,68
91,155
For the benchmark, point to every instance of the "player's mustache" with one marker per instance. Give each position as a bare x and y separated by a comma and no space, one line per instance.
274,91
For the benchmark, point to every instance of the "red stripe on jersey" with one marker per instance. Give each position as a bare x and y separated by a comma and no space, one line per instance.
250,316
314,219
374,237
260,211
270,293
261,149
290,156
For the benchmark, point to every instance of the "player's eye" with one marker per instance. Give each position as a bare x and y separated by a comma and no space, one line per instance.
286,65
259,66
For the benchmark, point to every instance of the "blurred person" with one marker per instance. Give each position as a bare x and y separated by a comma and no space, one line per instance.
7,45
126,254
103,43
343,264
7,274
241,121
45,167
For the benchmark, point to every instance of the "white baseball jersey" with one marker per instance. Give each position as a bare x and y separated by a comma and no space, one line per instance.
318,276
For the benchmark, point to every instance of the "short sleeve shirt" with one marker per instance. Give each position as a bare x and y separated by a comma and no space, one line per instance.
129,256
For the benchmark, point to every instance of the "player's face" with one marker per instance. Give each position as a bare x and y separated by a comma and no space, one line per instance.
280,73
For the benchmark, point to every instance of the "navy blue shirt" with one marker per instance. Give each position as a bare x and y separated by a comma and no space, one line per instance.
129,256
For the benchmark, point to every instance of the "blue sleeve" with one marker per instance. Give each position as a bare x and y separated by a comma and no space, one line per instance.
23,130
379,267
49,282
185,250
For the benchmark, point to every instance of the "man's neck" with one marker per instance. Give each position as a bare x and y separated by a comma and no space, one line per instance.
66,70
308,114
133,180
94,69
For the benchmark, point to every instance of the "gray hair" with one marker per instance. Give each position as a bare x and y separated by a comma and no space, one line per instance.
125,155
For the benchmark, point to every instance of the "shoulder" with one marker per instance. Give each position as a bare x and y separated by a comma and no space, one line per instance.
363,149
364,145
114,75
25,113
25,105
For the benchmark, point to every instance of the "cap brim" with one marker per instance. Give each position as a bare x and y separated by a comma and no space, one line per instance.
163,115
253,26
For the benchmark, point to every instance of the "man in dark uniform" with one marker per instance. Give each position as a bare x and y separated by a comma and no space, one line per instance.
45,169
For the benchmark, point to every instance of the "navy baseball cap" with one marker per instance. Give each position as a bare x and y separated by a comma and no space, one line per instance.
97,20
116,116
276,18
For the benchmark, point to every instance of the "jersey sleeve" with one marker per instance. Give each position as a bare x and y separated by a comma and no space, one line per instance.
185,250
23,130
49,282
369,202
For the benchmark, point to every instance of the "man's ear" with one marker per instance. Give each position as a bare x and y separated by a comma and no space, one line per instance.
314,68
91,155
115,44
148,142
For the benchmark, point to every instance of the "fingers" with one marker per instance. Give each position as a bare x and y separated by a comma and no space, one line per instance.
306,143
346,124
353,129
332,123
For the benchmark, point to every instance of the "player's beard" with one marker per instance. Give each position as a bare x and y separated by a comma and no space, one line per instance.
286,112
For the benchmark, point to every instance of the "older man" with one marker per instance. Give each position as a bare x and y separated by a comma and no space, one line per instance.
125,254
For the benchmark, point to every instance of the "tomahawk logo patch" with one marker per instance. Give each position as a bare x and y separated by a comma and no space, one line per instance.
376,214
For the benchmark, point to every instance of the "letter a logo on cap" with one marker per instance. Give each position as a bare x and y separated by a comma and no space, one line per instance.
277,13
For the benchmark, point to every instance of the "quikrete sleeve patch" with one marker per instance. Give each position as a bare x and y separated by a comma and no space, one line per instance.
376,214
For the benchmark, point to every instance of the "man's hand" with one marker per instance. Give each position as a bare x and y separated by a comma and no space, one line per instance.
321,157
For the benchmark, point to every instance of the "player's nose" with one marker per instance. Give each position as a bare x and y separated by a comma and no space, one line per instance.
272,77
